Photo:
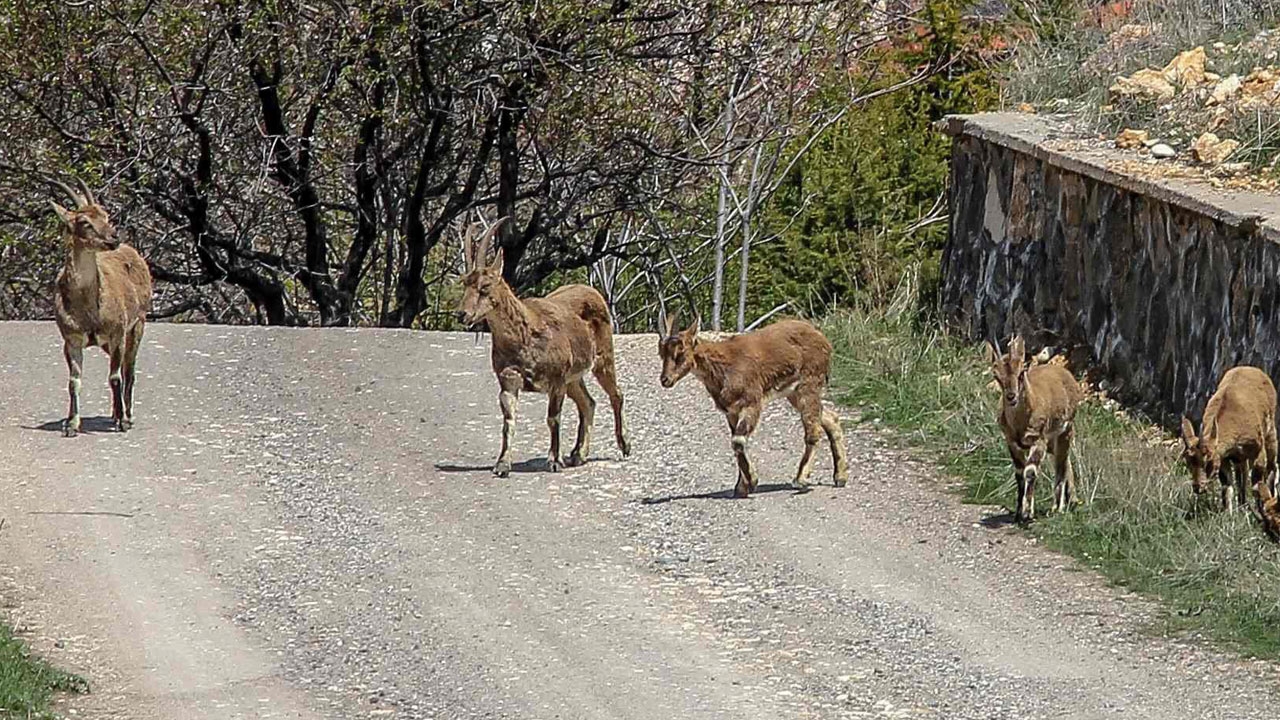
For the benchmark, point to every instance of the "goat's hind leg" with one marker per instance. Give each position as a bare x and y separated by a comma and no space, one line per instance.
809,406
606,374
132,341
117,387
835,436
73,351
577,392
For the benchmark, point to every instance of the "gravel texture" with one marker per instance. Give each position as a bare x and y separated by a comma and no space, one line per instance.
306,527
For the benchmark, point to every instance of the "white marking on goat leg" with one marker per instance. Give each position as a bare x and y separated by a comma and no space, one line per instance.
740,443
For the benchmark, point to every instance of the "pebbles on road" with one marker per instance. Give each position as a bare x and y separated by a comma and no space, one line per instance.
313,531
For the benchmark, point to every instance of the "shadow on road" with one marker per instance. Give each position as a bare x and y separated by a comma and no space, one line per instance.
997,521
726,494
537,465
87,424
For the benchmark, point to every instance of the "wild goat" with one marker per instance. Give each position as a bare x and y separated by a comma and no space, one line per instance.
1237,435
103,296
542,345
1268,510
1037,416
742,374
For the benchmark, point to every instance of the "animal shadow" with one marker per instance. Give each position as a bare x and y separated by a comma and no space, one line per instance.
998,520
727,494
97,424
538,465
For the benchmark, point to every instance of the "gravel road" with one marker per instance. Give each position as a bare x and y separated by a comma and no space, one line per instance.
303,525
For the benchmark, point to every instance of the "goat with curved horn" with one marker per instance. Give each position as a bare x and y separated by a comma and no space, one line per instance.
102,300
545,345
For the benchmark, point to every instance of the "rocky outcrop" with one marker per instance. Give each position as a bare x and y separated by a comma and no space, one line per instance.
1160,284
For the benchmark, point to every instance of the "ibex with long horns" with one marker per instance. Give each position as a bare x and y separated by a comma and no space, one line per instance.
790,359
542,345
103,296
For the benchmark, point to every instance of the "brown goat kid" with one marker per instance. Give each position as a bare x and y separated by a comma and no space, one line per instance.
103,296
543,345
1037,416
742,374
1268,511
1237,435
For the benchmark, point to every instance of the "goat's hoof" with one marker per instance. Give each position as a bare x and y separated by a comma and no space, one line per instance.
625,446
123,425
502,468
800,487
554,465
68,431
740,491
575,460
841,481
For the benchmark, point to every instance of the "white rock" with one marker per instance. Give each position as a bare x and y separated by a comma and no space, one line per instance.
1162,151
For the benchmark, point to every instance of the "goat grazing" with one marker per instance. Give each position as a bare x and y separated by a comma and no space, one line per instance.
542,345
1237,435
1037,416
742,374
103,296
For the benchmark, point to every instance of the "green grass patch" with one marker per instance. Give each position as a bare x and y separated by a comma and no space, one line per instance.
1139,523
27,683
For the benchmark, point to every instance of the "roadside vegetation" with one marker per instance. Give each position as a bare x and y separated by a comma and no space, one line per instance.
27,683
1138,523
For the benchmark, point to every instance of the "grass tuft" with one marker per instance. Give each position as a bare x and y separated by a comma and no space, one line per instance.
27,683
1139,525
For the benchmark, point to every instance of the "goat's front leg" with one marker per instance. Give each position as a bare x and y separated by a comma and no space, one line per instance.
1029,474
742,422
1227,483
1019,458
1064,487
510,381
73,351
555,401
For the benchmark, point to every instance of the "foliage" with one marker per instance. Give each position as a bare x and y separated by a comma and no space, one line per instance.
868,199
26,683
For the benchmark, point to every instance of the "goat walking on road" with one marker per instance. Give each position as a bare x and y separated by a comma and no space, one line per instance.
103,297
543,345
790,359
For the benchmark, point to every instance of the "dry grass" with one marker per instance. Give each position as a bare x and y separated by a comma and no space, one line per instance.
1069,67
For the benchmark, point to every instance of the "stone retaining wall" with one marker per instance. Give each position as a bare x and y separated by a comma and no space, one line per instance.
1159,284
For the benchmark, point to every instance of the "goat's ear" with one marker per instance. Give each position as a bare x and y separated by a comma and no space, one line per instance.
63,214
1188,433
495,267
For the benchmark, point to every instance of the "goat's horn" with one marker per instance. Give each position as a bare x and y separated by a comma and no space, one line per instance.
482,250
88,194
468,246
75,197
670,324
